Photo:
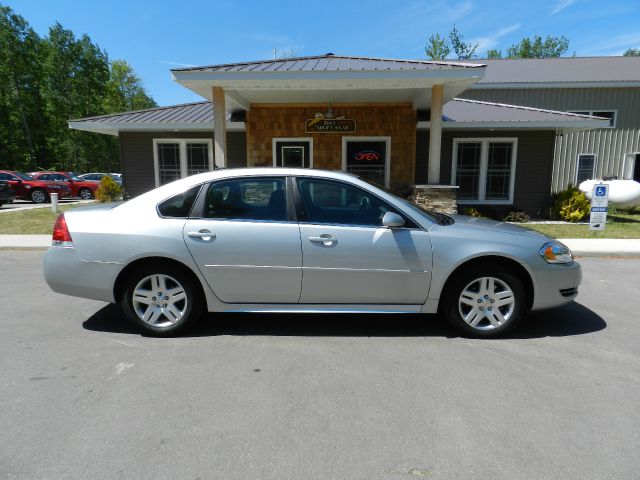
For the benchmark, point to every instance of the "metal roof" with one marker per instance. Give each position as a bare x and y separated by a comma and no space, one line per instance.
574,70
470,111
331,62
196,112
457,112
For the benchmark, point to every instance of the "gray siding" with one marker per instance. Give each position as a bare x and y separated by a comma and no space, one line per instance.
612,146
136,150
534,163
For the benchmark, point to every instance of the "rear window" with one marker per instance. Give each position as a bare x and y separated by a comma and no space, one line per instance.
179,205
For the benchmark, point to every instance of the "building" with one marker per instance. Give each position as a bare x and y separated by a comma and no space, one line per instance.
602,86
399,123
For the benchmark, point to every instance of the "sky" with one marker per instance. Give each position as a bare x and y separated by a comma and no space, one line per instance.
157,35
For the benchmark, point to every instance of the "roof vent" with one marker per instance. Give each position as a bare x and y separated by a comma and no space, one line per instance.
329,54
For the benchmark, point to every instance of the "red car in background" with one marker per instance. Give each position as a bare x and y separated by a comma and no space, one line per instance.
84,189
28,188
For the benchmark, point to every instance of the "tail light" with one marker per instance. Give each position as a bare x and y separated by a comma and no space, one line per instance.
61,235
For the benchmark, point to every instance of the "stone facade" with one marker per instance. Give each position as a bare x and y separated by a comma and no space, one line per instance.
441,198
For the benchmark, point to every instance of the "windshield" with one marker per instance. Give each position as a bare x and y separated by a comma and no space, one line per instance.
437,217
24,176
74,176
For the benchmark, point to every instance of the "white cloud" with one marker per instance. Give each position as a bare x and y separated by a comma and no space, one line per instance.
176,64
615,46
491,41
561,5
456,12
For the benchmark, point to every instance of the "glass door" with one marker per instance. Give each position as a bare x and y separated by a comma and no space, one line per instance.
292,153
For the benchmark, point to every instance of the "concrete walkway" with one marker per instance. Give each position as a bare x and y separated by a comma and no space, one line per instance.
600,247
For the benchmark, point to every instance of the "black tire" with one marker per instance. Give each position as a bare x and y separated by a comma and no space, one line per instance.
85,194
487,315
37,195
192,308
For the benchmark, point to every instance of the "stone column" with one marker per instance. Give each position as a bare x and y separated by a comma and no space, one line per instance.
435,134
219,127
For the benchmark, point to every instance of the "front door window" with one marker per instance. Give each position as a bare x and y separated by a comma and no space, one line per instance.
292,153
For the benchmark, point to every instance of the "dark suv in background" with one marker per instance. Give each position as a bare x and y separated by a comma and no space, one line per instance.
7,195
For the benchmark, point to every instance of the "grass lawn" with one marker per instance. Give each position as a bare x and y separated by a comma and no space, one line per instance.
619,225
35,221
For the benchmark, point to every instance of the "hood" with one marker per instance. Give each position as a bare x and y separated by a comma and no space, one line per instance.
493,226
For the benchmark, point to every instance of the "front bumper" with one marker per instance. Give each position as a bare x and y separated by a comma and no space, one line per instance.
556,285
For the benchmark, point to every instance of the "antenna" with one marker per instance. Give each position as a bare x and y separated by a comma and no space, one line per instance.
275,52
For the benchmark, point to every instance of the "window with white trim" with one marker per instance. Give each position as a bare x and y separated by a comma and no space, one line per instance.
179,158
484,169
610,114
585,168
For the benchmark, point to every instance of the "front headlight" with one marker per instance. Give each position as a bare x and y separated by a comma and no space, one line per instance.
556,252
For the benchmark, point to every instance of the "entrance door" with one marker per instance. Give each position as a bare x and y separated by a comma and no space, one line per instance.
367,157
636,168
292,152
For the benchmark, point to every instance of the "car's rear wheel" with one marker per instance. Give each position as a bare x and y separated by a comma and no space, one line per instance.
484,301
38,196
161,300
85,193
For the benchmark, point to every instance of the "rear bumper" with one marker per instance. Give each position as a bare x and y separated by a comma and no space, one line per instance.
556,285
65,273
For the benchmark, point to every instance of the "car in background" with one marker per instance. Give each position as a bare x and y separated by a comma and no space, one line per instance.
302,240
7,195
28,188
97,177
84,189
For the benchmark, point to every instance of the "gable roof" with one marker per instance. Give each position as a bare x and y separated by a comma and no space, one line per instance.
559,72
331,62
457,113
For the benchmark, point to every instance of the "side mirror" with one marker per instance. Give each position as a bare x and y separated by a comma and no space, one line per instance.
392,220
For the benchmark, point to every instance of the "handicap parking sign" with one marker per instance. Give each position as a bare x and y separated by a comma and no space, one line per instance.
601,191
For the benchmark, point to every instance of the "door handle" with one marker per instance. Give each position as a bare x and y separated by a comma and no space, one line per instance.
205,235
326,240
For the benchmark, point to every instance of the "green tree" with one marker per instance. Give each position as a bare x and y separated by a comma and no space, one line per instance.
21,141
125,90
462,49
536,47
632,52
437,48
493,54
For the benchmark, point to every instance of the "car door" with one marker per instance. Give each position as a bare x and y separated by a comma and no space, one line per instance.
349,257
245,242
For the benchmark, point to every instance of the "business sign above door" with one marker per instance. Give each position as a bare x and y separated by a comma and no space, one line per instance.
324,124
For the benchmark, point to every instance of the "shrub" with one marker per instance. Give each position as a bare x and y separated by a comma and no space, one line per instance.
517,217
571,205
472,212
109,190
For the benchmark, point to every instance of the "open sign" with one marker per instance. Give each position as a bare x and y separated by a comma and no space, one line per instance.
368,155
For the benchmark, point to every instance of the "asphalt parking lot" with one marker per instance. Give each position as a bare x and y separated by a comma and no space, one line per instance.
322,397
18,205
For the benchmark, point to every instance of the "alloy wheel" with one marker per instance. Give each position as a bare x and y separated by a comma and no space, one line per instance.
486,303
159,300
38,196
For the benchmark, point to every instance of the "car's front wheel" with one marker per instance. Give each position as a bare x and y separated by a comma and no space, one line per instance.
85,194
484,301
161,300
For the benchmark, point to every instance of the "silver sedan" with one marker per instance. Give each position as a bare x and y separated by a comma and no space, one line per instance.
301,240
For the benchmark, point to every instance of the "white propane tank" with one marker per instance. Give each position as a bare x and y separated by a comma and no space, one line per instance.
622,193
